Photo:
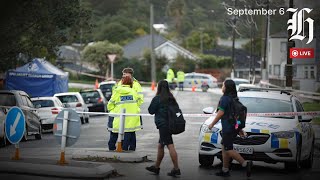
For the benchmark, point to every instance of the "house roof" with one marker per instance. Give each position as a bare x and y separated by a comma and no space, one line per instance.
242,57
282,34
139,45
178,48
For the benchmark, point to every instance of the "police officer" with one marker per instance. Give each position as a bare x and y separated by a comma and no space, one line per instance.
180,79
170,78
124,96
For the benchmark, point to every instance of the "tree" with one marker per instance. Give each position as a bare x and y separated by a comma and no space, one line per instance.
114,32
176,9
97,54
34,29
193,41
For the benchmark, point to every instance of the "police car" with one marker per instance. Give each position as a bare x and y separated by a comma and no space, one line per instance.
286,138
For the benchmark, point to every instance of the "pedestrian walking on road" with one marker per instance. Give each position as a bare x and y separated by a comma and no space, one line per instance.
124,96
180,79
228,130
159,107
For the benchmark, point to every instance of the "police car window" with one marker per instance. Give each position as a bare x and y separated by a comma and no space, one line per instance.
7,99
264,105
299,107
188,77
205,77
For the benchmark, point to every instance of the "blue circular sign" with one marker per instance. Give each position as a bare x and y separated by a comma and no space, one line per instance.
15,125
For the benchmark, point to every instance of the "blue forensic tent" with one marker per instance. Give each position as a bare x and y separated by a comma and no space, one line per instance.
37,78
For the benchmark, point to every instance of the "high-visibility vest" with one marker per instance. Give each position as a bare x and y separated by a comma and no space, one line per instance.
170,75
125,97
136,86
180,76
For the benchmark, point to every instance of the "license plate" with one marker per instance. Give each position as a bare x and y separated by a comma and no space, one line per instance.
244,150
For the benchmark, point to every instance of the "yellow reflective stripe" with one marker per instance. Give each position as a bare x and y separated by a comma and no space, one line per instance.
207,137
283,143
266,131
126,129
126,102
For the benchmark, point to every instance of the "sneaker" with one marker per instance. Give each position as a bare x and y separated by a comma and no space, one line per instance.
223,174
174,172
153,169
249,167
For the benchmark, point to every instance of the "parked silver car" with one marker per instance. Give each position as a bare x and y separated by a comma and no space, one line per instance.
10,98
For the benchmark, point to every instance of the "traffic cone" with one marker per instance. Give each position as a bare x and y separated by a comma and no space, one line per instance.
96,86
193,88
153,86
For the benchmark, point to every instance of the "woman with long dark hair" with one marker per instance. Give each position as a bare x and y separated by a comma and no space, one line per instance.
228,129
159,107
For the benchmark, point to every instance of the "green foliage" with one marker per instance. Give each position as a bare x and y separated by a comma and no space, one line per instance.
193,41
35,28
257,45
212,61
308,106
97,54
114,32
184,64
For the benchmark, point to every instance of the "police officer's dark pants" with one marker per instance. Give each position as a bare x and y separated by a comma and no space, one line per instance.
112,141
129,142
181,86
113,136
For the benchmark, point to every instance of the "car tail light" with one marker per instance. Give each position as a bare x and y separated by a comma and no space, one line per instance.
100,100
55,111
79,105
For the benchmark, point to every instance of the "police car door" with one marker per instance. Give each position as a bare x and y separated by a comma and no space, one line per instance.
306,133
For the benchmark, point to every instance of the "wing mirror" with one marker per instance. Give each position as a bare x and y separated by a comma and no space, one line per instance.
305,118
208,110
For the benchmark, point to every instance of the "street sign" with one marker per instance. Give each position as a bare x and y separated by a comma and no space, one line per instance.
112,57
73,127
15,125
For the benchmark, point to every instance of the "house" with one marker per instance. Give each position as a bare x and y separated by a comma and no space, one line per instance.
242,62
163,47
304,70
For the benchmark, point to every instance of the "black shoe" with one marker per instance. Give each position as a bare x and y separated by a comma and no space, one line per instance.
223,174
153,169
249,167
174,172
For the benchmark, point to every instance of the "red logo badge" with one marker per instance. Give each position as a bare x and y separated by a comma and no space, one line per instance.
301,53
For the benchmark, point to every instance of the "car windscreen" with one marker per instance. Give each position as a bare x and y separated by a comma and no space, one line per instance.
106,87
90,96
43,103
7,99
264,105
68,99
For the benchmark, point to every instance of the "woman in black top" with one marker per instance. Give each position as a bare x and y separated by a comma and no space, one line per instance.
228,130
159,107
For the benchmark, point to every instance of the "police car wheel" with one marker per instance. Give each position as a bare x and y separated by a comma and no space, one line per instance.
206,160
308,162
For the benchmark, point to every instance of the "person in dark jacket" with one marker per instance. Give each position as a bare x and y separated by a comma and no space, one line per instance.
228,130
159,107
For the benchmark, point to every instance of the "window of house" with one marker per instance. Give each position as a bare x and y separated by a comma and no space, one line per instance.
306,74
283,47
312,76
276,70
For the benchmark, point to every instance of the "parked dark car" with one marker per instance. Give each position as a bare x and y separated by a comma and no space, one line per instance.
10,98
94,100
106,88
3,113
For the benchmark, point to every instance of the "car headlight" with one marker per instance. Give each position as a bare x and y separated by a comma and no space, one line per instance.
205,129
284,134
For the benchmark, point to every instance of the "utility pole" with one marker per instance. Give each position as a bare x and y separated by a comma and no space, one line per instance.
153,61
264,63
289,72
233,40
201,40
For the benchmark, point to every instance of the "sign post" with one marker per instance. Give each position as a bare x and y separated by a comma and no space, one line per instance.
66,128
15,125
112,57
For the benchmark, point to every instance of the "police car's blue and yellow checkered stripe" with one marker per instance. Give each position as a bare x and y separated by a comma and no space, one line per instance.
211,137
279,142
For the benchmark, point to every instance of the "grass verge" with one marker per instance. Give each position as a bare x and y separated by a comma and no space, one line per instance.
313,107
